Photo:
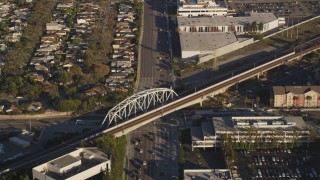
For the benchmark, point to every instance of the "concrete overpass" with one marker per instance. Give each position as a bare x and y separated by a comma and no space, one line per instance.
200,96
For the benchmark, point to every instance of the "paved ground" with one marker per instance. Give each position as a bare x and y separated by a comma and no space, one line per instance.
155,66
50,128
157,145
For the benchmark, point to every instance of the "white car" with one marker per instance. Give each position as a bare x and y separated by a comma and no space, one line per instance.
79,121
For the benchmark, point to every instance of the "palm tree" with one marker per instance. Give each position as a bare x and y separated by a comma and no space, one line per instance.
257,100
308,98
254,26
246,99
295,98
260,26
248,27
270,102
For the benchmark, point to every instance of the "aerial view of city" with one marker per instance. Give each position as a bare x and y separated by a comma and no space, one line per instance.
159,89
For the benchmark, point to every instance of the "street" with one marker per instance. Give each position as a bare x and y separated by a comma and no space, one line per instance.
155,62
153,151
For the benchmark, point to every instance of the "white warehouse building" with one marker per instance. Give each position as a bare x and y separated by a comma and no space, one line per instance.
217,35
82,163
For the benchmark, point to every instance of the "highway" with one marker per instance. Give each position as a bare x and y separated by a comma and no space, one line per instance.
154,62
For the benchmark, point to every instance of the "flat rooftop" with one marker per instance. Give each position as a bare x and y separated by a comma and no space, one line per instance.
212,174
85,165
226,123
206,41
226,20
89,157
64,161
207,129
196,134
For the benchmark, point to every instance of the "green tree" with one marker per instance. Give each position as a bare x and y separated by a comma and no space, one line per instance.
72,90
68,105
254,26
271,102
246,99
76,41
53,92
258,100
12,89
31,91
62,77
260,26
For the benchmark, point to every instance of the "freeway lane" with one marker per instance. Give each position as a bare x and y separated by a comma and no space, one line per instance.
154,62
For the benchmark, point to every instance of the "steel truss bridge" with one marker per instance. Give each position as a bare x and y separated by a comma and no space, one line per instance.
140,101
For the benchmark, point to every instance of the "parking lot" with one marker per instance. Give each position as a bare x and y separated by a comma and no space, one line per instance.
153,152
279,8
278,164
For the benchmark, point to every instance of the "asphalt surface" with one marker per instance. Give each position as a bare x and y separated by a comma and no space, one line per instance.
155,66
157,145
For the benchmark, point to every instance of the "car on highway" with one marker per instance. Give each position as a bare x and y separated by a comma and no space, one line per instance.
80,122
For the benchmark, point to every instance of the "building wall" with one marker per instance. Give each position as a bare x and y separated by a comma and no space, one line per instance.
238,29
189,54
41,176
199,10
91,171
287,100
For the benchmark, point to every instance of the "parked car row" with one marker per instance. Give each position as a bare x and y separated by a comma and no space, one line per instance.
280,163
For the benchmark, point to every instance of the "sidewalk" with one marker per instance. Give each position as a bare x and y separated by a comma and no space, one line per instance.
48,114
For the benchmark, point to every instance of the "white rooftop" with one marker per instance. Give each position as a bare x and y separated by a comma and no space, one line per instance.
206,41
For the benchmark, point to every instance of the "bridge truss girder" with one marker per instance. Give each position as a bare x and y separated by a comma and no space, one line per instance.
140,101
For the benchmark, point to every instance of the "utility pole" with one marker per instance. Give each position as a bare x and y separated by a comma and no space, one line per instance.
288,27
298,30
292,27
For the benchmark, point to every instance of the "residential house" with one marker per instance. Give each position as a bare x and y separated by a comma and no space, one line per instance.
35,106
99,90
54,26
12,108
118,75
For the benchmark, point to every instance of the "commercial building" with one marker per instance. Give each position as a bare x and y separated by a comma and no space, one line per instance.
296,96
82,163
207,45
205,38
191,8
250,130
